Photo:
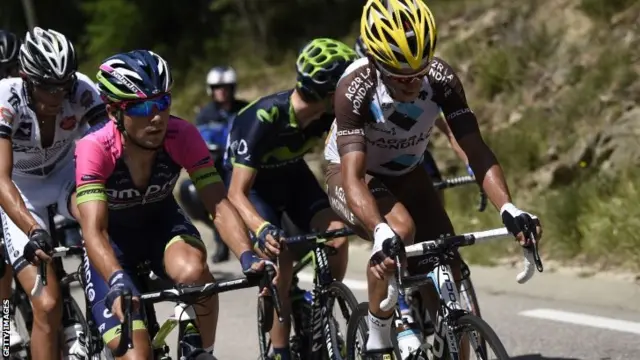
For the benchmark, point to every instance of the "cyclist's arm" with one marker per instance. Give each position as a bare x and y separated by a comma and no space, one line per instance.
442,125
10,199
245,151
464,126
350,120
92,169
192,154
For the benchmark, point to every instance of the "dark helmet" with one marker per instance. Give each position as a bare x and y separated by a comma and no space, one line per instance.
9,50
135,75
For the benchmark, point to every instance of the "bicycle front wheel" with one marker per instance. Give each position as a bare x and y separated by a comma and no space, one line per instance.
347,304
470,302
478,331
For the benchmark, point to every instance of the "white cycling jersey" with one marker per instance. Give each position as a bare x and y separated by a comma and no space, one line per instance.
44,176
394,134
18,122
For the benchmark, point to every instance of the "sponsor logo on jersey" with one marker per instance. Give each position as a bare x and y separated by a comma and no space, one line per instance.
358,88
7,115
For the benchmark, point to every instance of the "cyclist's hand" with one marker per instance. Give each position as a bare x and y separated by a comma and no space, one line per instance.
269,238
380,264
521,224
252,265
39,247
118,283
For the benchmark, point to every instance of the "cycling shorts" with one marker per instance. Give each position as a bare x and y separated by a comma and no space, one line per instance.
414,190
292,189
38,194
133,247
429,164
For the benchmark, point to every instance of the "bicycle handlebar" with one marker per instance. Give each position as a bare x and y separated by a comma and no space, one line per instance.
459,181
126,327
41,276
394,248
184,292
315,236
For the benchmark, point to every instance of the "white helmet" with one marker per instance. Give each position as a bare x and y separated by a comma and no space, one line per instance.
221,75
47,55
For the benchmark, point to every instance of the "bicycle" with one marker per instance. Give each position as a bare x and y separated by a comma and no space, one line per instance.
315,333
20,306
189,341
451,320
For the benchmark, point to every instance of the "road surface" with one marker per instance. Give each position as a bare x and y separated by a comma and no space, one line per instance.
554,317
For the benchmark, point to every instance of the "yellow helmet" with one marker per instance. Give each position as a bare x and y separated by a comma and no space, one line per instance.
401,34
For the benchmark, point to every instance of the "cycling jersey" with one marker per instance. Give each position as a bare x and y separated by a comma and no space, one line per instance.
213,113
395,134
44,176
266,134
102,174
19,123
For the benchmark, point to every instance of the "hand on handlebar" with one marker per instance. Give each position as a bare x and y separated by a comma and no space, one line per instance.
120,284
252,265
383,262
525,226
39,247
269,238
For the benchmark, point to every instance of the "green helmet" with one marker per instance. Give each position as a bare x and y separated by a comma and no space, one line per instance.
320,65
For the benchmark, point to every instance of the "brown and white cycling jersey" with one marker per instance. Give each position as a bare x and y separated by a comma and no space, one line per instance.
394,134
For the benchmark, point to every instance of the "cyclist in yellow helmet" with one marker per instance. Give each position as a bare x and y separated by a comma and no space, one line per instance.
386,105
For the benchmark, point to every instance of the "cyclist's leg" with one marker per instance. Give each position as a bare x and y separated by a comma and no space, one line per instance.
398,218
264,196
96,289
47,310
308,207
429,164
432,220
5,293
184,260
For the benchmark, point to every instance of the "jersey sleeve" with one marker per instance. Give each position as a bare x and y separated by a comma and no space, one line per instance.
89,106
93,166
249,135
450,96
8,111
352,101
190,151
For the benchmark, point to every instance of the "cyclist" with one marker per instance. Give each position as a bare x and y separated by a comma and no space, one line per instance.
126,169
43,112
429,162
386,105
217,115
268,175
9,49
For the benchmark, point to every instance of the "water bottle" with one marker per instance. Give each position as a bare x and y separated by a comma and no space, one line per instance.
409,336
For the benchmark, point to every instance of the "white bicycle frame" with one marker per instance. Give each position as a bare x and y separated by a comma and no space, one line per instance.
444,283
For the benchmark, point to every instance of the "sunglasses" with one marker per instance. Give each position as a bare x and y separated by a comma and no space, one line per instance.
55,88
147,107
403,78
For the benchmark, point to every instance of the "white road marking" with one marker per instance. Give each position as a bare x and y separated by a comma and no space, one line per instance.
584,320
351,284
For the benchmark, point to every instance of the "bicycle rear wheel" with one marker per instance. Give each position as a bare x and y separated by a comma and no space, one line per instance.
476,327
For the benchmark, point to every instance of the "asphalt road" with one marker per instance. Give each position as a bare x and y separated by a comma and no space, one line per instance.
552,317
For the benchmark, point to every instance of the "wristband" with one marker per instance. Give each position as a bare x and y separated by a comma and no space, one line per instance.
261,227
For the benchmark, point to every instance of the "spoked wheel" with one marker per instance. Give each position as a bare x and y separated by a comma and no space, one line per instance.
343,300
471,329
469,300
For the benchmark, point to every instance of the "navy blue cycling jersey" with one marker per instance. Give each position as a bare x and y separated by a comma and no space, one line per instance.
213,113
266,134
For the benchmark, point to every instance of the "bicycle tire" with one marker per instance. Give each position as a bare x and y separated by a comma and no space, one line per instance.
484,330
471,291
339,290
265,322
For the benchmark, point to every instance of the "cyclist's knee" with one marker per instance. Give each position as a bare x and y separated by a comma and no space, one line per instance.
402,224
186,264
47,311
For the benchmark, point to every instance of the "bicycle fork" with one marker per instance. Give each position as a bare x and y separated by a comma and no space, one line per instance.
449,302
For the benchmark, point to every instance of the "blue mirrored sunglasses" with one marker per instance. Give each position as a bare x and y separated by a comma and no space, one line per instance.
146,107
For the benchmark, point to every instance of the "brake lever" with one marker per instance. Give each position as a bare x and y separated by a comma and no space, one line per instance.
536,254
277,305
483,201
